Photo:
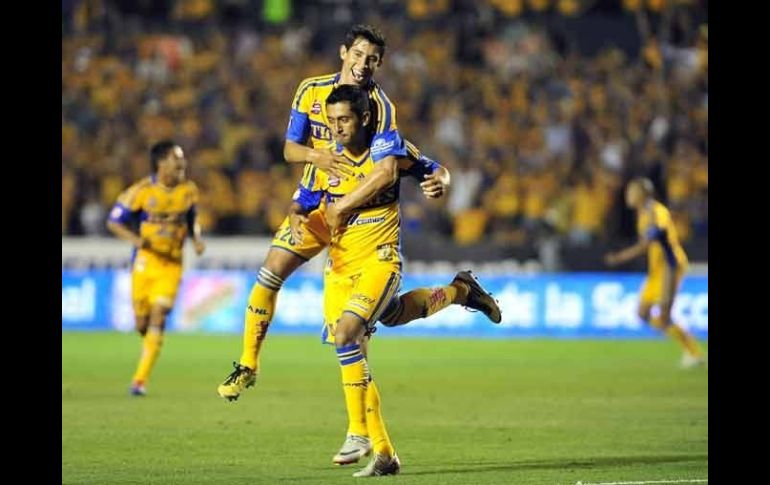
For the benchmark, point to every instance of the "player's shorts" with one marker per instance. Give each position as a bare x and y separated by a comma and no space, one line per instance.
366,294
154,281
314,239
653,288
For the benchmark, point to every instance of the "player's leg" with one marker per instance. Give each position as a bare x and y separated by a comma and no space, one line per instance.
465,289
693,355
140,300
373,290
161,292
141,323
283,258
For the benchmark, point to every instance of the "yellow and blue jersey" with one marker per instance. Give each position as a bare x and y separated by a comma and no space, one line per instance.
308,120
655,225
372,230
165,215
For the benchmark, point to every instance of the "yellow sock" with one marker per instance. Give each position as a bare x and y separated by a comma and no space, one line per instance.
355,380
151,344
375,424
684,339
259,314
422,303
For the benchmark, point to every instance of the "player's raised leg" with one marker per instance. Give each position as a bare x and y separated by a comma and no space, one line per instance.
465,289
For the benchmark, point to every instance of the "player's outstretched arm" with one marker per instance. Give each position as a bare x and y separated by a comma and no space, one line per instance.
383,176
325,160
123,232
632,252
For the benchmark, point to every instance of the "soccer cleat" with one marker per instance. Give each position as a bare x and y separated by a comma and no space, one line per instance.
137,389
353,449
479,298
690,361
238,380
380,465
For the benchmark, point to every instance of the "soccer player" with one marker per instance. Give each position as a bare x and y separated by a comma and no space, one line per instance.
361,55
363,274
163,205
667,264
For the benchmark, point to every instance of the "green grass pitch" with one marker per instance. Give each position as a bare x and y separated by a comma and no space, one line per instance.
458,411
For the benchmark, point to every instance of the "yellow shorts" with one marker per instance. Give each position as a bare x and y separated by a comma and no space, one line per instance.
653,288
154,281
366,294
315,238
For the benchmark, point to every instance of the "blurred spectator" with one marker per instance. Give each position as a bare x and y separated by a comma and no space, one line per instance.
539,130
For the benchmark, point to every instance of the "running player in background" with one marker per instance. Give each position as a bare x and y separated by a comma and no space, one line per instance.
163,205
667,264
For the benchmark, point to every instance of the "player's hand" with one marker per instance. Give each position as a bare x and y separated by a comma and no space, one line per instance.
199,246
612,259
436,184
295,224
333,164
143,243
334,218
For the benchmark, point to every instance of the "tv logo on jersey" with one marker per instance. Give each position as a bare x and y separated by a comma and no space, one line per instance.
320,132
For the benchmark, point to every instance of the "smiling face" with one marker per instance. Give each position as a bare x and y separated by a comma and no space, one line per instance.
360,61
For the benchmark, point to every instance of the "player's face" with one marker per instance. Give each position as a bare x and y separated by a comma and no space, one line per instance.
173,167
361,60
634,196
344,122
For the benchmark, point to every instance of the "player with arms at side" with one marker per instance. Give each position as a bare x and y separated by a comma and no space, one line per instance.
361,56
667,264
163,205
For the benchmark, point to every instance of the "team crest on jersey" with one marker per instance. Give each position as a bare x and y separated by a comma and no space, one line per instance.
333,181
316,108
385,252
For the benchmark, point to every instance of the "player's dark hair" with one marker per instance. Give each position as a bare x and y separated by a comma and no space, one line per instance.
357,97
368,32
645,184
159,151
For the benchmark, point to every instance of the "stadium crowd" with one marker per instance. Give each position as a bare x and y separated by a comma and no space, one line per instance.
539,136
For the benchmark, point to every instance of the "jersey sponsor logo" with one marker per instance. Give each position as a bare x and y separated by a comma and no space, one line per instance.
320,132
355,220
381,146
333,181
316,109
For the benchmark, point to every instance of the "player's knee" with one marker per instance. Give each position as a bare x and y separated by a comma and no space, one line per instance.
282,263
141,325
349,331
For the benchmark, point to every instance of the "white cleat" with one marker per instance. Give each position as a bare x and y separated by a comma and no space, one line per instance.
380,465
690,361
353,449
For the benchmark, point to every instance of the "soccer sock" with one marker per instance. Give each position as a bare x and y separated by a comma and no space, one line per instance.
259,314
374,423
151,344
683,338
355,380
424,302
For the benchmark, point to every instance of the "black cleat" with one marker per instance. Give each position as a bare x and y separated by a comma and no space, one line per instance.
479,298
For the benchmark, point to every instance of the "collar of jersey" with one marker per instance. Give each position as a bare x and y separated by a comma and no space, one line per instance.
358,161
